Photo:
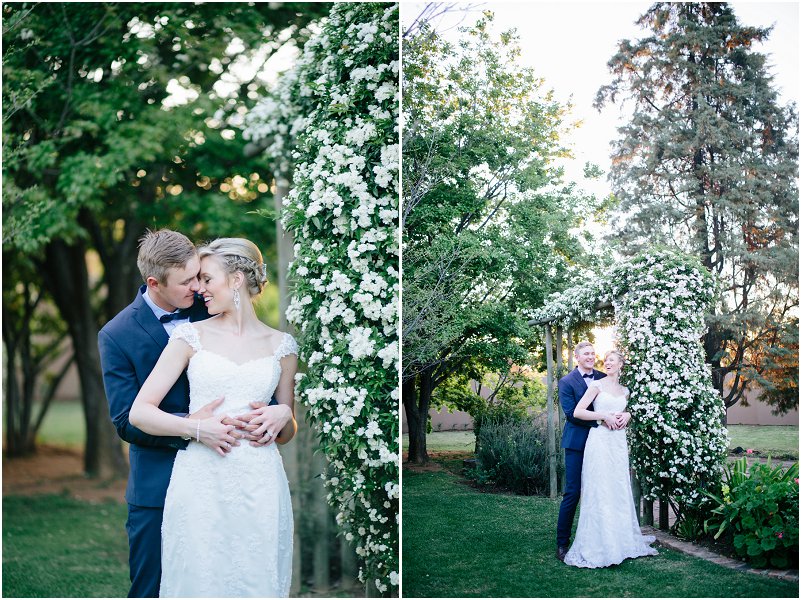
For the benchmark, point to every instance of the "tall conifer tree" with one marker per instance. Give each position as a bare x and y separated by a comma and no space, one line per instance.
708,163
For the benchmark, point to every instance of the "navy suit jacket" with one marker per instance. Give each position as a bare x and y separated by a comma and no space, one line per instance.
130,344
571,388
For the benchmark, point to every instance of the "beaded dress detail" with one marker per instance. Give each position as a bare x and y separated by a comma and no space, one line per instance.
227,527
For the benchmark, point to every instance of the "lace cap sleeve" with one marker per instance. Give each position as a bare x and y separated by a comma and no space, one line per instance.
288,346
187,333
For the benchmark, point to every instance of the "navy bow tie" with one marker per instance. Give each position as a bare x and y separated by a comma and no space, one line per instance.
178,314
590,375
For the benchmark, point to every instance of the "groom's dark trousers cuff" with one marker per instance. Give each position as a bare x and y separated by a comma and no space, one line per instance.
567,510
144,541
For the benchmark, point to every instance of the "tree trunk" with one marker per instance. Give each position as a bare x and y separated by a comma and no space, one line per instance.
648,513
120,272
319,512
22,373
295,453
286,252
348,565
67,278
15,440
416,406
549,404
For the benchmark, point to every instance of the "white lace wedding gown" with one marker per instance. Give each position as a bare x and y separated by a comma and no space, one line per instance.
227,528
608,531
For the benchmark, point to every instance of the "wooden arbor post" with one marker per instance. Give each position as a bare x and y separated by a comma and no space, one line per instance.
550,408
560,372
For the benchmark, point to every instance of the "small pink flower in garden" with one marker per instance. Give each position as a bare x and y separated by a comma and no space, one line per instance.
796,479
749,451
780,535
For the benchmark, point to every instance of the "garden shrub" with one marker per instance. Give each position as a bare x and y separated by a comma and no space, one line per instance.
513,454
758,510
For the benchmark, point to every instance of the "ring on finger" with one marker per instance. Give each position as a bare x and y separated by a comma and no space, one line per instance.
271,434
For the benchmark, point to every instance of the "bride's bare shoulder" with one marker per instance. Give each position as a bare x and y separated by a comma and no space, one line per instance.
270,335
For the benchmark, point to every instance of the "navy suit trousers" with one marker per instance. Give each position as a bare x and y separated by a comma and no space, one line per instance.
144,543
567,510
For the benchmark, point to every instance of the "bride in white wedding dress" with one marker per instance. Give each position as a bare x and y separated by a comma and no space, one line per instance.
227,526
608,531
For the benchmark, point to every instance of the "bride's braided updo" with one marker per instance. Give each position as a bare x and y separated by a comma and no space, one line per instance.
239,254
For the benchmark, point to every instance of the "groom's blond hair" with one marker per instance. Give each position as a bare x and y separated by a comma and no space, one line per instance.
580,346
162,250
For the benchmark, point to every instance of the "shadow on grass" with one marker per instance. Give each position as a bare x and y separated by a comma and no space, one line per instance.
459,542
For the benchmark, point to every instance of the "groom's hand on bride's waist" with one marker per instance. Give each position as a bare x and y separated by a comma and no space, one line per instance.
208,411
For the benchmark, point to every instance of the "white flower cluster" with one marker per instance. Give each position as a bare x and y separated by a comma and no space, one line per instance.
337,111
577,304
678,441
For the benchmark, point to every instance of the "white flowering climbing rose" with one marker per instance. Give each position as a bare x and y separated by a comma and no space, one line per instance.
336,112
677,438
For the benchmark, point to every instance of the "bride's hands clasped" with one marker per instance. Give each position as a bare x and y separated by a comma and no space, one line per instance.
218,432
264,423
617,420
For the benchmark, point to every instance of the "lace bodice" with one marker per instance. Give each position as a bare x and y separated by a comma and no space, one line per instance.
212,375
210,494
605,402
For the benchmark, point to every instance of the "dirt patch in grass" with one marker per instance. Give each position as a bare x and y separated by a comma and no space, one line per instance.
57,470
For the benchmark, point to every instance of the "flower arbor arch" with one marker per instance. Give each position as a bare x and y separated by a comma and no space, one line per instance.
658,300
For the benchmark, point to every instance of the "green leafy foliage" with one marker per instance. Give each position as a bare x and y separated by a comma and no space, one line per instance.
514,394
488,221
118,117
757,508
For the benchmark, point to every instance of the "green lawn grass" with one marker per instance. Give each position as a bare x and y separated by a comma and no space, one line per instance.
774,439
778,440
459,542
54,546
446,441
63,425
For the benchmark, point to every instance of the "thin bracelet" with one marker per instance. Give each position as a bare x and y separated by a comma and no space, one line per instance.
197,434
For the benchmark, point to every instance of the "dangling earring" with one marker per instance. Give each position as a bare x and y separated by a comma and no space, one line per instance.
236,299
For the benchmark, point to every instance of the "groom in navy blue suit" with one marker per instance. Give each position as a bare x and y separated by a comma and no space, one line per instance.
130,344
574,436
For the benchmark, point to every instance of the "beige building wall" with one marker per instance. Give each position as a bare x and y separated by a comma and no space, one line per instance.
758,413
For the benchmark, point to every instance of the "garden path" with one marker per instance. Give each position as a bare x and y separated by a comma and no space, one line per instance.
667,540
